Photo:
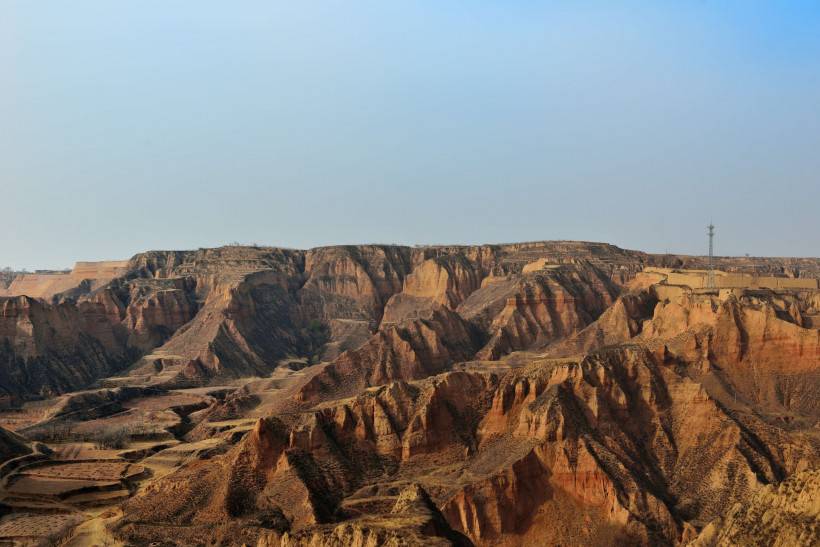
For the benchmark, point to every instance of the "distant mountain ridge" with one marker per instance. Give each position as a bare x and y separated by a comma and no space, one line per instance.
122,309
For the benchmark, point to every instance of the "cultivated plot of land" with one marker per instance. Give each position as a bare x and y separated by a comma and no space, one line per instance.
22,526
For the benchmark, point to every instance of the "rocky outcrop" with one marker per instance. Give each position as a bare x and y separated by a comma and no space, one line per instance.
414,520
246,329
619,323
757,344
538,308
447,280
412,350
347,287
89,334
261,305
617,446
780,516
143,312
403,420
444,281
246,320
621,434
156,309
354,282
47,349
288,477
757,348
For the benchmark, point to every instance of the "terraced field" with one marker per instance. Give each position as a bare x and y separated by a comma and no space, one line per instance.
79,482
65,495
32,528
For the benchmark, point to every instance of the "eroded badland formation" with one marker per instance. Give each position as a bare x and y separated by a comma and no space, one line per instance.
550,393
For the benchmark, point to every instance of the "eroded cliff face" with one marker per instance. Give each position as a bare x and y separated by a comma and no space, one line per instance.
414,349
539,307
356,281
646,447
147,311
347,289
619,323
241,329
446,313
446,281
199,316
247,316
617,445
289,477
754,343
413,520
88,335
780,516
261,306
47,349
758,346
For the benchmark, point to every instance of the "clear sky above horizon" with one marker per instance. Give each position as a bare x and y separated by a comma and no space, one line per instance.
128,126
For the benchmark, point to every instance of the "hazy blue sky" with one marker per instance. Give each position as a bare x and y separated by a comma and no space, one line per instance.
135,125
